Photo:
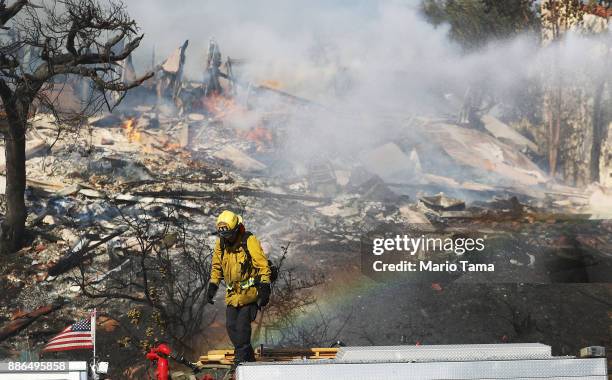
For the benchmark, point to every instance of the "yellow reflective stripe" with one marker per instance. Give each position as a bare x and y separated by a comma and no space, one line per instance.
242,284
248,283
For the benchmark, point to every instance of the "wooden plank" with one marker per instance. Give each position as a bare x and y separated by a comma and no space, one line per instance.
270,354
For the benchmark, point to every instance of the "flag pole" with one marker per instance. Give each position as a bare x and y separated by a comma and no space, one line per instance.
93,337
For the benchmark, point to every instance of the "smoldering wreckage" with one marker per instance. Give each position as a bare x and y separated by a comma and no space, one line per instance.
177,152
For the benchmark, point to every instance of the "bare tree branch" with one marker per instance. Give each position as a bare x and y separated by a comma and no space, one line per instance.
69,44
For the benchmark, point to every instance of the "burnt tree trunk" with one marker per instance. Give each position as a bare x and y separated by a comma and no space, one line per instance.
554,131
600,118
13,226
71,43
598,132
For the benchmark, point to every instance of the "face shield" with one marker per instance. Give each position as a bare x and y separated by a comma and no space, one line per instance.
227,234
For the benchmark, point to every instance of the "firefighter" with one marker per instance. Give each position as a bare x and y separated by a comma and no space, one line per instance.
241,263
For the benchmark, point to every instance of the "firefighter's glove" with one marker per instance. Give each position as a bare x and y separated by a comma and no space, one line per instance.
263,294
212,290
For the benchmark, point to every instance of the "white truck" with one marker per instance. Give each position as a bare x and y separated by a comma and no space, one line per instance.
516,361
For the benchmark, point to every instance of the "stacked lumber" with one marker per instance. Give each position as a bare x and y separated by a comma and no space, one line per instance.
270,355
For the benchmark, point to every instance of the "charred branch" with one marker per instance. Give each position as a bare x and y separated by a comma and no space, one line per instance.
164,271
230,194
17,325
72,43
8,12
75,258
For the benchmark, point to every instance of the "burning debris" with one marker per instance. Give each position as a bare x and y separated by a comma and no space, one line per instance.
197,159
131,131
153,175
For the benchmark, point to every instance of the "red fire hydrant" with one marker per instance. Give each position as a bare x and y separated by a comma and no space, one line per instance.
159,355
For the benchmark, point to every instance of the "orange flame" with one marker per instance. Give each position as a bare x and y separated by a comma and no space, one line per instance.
220,107
131,130
260,135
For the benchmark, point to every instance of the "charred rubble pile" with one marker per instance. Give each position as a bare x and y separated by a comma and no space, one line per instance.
203,149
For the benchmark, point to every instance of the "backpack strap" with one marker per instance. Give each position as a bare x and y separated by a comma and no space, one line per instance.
249,261
244,244
245,238
273,268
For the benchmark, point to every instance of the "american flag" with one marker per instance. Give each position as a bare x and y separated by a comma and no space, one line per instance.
74,337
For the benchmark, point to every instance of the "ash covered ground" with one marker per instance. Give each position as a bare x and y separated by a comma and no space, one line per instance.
135,176
122,210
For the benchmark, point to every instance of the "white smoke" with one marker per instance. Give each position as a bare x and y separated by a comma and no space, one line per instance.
371,60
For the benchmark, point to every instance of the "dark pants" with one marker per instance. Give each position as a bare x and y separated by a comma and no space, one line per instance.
238,322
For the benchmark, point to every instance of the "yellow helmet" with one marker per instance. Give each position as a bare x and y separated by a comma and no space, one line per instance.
227,220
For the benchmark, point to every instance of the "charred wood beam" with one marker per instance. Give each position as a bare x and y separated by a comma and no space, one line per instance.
214,178
7,13
76,256
15,326
287,95
263,89
224,194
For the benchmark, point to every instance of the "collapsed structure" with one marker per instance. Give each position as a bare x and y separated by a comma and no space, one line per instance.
195,146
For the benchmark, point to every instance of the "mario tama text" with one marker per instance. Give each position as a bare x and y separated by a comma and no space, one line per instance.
430,266
403,253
